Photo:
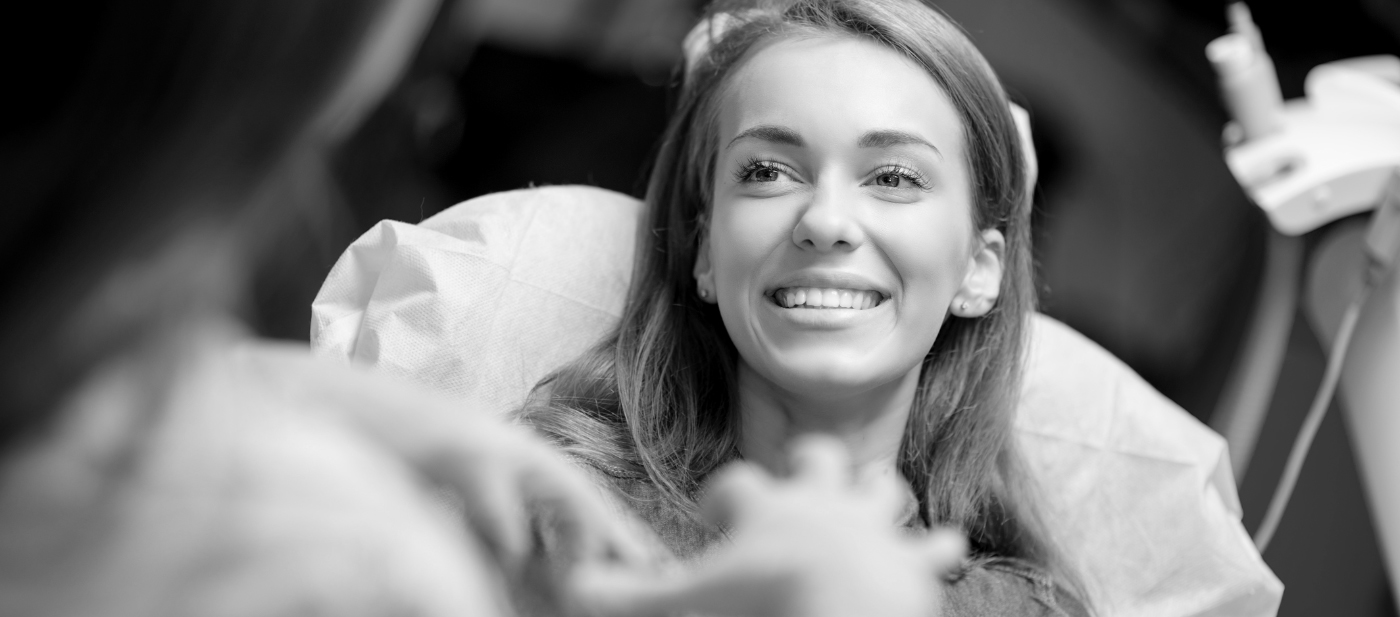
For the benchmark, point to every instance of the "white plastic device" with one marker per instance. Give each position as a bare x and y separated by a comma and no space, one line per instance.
1307,163
1333,151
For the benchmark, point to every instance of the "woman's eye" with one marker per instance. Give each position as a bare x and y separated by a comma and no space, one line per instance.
890,179
899,178
761,171
765,174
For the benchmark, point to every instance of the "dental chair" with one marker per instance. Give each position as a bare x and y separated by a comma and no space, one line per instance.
487,297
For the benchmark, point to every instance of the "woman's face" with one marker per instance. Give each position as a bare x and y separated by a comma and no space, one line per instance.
841,231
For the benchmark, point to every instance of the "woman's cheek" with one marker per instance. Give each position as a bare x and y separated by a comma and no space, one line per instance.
931,266
750,228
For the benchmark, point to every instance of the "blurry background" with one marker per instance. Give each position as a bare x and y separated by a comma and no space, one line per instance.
1144,241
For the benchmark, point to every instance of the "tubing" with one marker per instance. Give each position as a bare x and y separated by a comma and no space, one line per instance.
1336,359
1244,403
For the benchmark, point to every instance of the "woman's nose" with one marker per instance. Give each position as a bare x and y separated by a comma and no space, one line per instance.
828,223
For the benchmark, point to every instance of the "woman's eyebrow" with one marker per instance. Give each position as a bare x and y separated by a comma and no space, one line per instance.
771,133
885,138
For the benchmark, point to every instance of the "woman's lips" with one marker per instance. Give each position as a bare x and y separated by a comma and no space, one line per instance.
826,298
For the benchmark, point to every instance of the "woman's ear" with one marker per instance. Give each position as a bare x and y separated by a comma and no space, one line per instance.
981,285
704,272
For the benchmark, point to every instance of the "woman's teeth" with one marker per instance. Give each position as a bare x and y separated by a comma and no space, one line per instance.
816,297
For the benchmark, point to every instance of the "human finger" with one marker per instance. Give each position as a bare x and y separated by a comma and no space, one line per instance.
944,550
731,490
599,590
887,493
820,460
495,510
602,591
595,530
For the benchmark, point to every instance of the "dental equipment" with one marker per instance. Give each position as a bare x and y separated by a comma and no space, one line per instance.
1308,163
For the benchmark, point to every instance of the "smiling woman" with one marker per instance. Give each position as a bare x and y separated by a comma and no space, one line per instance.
837,244
839,210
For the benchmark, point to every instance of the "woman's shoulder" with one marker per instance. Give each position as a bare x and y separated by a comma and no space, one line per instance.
1006,586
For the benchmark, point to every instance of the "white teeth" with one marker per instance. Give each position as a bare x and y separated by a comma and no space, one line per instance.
815,297
831,298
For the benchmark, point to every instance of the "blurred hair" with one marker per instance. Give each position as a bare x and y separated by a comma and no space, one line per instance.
656,398
170,162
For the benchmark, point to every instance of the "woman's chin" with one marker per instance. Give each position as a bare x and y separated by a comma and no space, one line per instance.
833,376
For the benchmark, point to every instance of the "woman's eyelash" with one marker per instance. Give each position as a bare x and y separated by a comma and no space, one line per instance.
753,165
912,175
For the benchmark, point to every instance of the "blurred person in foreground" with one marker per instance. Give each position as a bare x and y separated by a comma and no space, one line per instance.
159,460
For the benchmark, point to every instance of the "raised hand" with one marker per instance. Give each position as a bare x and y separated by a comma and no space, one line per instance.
497,472
814,545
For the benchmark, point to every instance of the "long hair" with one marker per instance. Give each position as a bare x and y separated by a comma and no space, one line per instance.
168,160
656,398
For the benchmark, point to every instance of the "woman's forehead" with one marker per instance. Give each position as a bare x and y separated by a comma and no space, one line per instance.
837,89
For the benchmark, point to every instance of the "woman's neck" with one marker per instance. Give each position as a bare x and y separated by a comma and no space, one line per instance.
870,423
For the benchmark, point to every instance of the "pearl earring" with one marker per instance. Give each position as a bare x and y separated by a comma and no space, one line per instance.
963,306
704,293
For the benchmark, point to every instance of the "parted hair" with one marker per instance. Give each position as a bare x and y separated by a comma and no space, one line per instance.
656,398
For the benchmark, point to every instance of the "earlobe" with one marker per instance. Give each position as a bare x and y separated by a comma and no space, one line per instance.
982,284
704,273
